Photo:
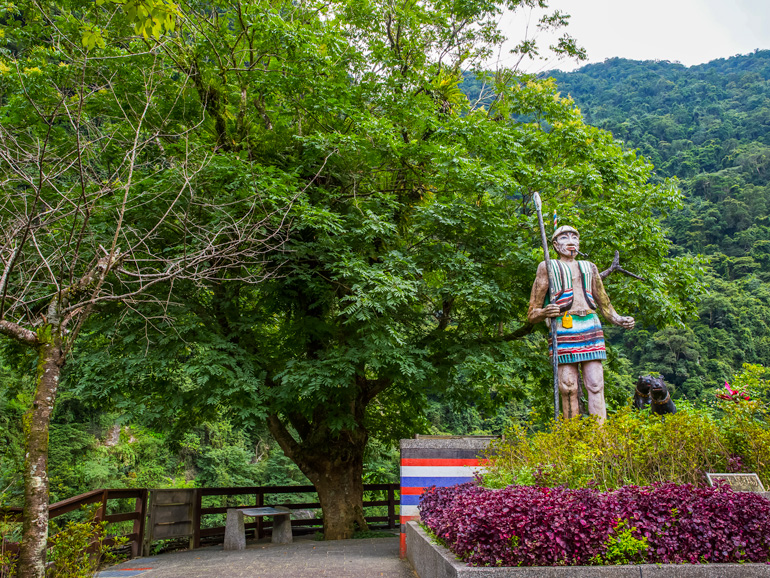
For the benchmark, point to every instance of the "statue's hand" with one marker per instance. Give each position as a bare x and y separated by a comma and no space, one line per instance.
551,310
626,322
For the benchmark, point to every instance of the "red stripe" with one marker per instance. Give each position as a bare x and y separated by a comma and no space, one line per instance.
585,336
442,462
579,338
411,491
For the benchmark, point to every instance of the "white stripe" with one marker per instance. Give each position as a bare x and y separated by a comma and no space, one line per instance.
439,471
586,272
409,511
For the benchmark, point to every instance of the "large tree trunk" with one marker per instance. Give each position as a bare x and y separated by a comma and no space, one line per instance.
340,490
36,422
334,463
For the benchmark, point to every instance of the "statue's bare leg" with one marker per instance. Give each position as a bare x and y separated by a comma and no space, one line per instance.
568,388
593,377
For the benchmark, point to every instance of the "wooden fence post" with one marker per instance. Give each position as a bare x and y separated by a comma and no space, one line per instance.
260,503
140,508
101,516
197,518
392,506
103,510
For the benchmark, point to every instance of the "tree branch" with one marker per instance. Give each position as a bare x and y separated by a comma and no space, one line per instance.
300,423
18,333
91,282
521,332
446,313
616,267
371,387
288,444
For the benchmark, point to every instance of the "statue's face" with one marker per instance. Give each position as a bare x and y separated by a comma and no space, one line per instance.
567,244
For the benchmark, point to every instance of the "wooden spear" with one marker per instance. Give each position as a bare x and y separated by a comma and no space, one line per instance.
551,292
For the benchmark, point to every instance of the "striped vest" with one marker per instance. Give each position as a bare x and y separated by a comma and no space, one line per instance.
562,284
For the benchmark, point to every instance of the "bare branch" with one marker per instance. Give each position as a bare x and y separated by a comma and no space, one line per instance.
18,333
616,267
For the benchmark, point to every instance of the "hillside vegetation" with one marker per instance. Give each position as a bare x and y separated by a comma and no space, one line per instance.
708,126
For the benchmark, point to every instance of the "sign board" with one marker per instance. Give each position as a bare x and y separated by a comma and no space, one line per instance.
738,482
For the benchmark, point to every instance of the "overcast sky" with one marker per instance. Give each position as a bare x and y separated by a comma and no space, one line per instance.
688,31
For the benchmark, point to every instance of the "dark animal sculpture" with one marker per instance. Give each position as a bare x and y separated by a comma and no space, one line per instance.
652,391
642,396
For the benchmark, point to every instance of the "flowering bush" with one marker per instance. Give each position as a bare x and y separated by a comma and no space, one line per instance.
745,419
538,526
731,394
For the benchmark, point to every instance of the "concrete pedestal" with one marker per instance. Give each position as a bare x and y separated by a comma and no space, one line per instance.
235,529
282,528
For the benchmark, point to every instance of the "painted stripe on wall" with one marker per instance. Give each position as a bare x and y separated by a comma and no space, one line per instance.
435,480
410,500
410,511
404,519
443,472
441,466
441,462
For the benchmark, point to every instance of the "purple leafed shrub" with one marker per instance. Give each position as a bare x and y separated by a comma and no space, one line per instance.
535,526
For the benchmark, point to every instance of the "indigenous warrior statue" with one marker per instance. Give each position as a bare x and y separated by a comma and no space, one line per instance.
578,290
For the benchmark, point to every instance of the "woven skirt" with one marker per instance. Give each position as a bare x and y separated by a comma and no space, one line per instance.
584,341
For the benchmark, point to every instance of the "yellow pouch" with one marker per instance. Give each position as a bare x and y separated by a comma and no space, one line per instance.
566,321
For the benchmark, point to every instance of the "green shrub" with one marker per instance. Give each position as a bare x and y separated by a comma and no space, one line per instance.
7,558
80,548
634,447
621,547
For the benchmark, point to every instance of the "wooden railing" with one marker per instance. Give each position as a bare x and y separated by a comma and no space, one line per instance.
258,494
255,497
98,496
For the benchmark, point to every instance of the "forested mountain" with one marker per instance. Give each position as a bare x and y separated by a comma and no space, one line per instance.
708,126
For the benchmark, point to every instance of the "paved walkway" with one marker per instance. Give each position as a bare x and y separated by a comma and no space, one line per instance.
304,558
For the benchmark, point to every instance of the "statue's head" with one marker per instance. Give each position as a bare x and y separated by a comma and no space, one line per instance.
566,241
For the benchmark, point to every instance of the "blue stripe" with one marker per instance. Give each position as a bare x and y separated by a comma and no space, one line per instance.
410,500
577,358
439,481
577,345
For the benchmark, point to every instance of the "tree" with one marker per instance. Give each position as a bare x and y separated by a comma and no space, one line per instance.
413,242
100,204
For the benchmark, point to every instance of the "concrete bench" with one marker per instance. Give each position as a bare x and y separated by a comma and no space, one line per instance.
235,530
